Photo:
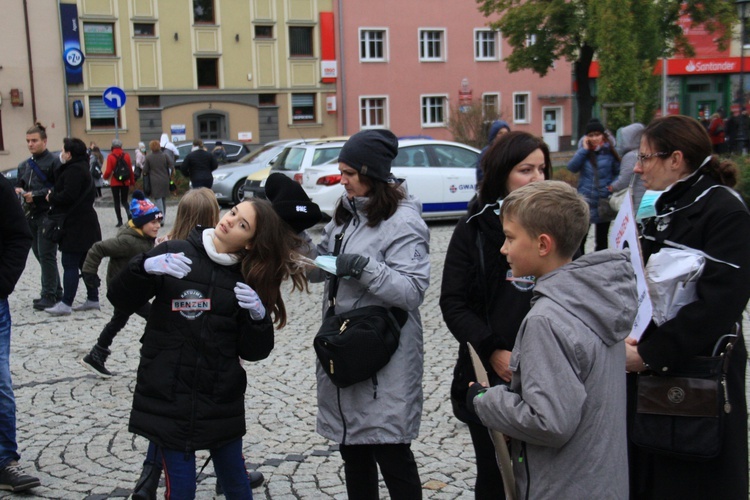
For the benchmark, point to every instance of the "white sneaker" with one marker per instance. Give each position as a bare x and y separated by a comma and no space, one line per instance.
59,309
87,306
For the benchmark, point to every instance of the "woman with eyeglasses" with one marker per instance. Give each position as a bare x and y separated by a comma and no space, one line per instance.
599,165
698,210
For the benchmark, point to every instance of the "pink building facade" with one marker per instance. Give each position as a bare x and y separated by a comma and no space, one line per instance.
407,65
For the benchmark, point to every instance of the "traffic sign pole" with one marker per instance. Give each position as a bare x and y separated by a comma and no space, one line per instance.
114,98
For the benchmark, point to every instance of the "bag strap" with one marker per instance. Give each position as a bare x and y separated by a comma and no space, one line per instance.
334,286
38,171
399,314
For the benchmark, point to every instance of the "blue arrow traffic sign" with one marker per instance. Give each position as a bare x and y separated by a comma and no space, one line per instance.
114,97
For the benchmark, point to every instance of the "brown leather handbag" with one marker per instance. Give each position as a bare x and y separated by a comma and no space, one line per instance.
682,415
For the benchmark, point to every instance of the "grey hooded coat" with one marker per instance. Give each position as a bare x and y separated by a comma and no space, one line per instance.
397,274
565,409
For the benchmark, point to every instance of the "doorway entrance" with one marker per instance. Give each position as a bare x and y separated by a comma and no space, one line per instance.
552,127
211,126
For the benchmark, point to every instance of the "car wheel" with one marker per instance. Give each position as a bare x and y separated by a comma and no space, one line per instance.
238,192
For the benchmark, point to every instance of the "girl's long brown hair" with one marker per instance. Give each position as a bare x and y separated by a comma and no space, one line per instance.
271,259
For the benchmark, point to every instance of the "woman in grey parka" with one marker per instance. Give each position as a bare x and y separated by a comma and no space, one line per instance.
385,255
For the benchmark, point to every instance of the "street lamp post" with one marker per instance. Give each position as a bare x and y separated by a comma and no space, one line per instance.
741,98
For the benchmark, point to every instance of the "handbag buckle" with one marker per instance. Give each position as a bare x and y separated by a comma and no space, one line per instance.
343,327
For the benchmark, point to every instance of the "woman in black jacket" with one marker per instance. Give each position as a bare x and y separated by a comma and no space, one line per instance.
482,303
73,198
205,316
698,209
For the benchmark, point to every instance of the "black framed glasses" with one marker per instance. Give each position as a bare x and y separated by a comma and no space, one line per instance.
640,157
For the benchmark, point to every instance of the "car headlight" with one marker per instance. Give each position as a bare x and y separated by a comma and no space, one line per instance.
220,177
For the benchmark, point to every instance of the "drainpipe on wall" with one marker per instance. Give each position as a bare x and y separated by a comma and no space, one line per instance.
28,53
65,75
342,73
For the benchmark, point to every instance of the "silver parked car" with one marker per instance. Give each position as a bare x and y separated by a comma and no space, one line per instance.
229,179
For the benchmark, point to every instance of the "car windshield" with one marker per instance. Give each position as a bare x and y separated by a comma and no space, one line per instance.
290,159
262,155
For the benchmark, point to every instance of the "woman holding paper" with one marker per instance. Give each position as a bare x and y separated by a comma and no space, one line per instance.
385,255
698,210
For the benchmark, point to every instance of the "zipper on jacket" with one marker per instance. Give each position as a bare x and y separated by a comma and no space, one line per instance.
341,413
524,458
355,214
198,343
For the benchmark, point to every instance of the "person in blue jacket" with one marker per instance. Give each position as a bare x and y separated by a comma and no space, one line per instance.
599,165
497,130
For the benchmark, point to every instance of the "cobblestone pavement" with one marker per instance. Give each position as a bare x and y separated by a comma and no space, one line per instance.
72,426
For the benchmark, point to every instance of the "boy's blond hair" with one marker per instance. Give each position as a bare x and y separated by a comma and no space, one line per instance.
550,207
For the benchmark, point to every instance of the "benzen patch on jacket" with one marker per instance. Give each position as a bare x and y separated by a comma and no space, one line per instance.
191,304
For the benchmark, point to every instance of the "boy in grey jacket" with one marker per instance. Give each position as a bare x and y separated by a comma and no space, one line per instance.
565,407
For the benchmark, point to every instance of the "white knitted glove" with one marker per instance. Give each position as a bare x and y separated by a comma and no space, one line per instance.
173,264
248,299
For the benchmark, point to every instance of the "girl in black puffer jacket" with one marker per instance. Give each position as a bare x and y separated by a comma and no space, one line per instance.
205,316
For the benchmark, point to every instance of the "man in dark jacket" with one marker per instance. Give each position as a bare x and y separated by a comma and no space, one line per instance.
15,241
35,179
198,165
738,131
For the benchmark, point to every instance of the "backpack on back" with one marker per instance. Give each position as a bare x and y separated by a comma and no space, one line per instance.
122,170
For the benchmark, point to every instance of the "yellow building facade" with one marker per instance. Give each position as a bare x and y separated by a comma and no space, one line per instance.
243,70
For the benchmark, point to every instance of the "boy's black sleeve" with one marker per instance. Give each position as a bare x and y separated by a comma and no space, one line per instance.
133,287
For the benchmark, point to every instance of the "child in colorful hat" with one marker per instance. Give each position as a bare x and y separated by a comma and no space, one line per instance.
135,238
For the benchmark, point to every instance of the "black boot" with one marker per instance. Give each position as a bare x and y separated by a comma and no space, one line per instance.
95,360
145,488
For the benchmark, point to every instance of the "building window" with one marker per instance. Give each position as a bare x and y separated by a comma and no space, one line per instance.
372,45
434,111
490,106
372,112
530,40
99,39
149,101
431,45
263,31
208,72
485,45
203,11
266,99
521,111
303,108
144,29
300,41
101,115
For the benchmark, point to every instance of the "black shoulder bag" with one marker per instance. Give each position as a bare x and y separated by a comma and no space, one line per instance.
353,346
682,415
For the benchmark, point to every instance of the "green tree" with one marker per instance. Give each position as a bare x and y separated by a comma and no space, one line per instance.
579,30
